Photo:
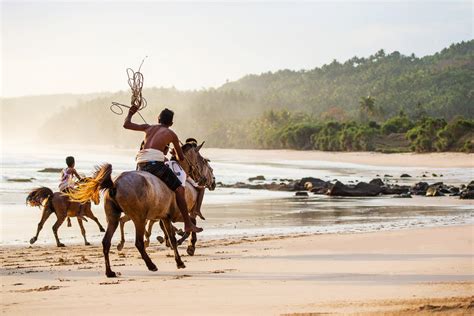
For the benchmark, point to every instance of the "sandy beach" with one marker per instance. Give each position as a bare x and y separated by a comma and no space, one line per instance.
395,272
427,160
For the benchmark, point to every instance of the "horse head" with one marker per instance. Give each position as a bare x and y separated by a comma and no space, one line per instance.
198,167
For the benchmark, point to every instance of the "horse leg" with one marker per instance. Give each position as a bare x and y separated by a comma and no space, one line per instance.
192,243
59,222
44,217
123,220
112,223
83,231
165,240
183,238
139,232
148,232
88,213
170,232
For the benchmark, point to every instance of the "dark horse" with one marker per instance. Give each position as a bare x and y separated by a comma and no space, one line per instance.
59,204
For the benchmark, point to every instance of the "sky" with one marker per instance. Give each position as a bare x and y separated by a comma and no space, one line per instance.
82,47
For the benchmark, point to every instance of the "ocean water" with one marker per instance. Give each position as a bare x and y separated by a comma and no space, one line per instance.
236,212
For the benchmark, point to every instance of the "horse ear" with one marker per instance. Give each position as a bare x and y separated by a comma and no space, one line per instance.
199,147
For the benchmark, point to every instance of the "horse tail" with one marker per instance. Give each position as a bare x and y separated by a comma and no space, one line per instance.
37,196
88,187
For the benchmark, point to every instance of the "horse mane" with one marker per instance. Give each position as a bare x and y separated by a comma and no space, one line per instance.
101,180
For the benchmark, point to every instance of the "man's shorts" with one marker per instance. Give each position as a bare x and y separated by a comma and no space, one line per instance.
159,169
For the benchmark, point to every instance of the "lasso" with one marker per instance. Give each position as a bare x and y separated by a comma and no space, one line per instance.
135,81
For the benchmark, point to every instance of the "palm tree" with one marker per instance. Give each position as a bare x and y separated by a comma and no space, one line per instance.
367,107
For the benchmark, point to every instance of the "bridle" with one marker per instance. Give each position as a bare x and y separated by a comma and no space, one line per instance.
194,172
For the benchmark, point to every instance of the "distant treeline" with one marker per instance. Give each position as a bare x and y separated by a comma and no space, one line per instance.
283,129
339,106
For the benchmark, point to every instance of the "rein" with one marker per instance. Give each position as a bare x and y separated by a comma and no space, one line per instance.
193,169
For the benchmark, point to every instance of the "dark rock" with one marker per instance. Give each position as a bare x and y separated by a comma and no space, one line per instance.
434,174
395,189
51,170
405,175
310,183
361,189
387,176
419,188
261,178
467,195
377,182
424,176
21,179
320,190
470,186
301,193
454,190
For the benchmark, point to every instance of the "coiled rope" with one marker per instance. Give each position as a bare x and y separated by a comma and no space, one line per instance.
135,81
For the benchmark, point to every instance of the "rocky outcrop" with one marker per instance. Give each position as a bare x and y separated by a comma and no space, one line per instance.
360,189
259,178
373,188
467,195
377,182
395,189
467,192
310,184
419,188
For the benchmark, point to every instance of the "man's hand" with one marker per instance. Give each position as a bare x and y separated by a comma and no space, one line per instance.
133,110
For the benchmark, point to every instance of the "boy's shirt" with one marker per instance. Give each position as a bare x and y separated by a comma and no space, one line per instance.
67,179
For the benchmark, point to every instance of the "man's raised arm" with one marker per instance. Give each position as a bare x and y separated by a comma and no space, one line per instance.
128,121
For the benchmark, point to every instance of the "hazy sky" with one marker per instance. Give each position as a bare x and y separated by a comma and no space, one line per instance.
64,46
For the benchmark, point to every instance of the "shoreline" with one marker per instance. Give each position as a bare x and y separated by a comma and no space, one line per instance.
231,239
427,160
391,271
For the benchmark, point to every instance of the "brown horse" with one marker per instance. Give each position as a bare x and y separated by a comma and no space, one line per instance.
60,204
190,170
141,196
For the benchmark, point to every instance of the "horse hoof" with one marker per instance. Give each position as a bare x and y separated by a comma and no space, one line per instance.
153,268
33,240
87,243
160,239
190,250
147,243
110,274
120,246
181,265
61,245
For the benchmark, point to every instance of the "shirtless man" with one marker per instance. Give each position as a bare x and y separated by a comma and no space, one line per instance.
151,157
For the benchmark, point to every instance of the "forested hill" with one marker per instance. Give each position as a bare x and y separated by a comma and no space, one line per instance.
443,83
439,86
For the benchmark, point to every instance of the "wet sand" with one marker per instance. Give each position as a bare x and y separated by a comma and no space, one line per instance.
396,272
